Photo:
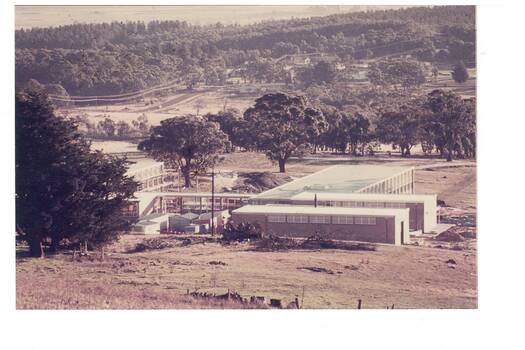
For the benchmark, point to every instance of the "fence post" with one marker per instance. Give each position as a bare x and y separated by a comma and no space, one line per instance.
358,304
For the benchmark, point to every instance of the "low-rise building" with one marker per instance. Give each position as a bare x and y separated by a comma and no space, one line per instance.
422,208
385,225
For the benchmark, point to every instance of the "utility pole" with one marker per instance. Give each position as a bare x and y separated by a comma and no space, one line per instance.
213,199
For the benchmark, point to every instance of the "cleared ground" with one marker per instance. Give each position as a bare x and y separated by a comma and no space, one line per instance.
157,109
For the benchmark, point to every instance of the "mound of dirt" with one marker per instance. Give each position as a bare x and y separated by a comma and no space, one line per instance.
150,244
450,236
256,182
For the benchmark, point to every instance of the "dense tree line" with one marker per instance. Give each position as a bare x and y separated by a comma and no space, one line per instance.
111,58
284,126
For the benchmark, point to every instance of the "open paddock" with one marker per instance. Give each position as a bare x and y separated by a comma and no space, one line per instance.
408,277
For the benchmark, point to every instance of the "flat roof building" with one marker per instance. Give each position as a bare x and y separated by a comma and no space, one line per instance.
422,207
359,191
379,225
346,179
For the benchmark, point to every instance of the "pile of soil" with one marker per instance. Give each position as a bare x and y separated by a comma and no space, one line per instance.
256,182
151,244
449,236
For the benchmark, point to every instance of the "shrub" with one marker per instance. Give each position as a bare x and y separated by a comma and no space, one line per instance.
242,232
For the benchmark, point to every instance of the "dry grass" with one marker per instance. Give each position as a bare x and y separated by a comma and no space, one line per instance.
409,277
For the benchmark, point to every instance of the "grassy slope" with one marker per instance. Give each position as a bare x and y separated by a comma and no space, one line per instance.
407,277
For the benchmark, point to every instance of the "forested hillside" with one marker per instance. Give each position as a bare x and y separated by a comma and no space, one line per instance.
112,58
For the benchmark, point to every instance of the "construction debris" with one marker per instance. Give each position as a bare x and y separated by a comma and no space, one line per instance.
150,244
274,243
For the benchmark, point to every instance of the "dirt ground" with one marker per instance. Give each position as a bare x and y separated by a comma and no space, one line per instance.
408,277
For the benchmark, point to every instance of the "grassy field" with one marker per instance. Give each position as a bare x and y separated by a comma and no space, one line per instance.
408,277
162,108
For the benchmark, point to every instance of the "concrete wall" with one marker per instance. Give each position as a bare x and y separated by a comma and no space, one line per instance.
384,231
430,214
422,215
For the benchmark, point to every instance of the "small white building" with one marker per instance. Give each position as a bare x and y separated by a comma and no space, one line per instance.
152,224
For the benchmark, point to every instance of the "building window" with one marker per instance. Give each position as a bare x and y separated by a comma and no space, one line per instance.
318,219
394,205
364,220
297,219
342,220
373,204
276,218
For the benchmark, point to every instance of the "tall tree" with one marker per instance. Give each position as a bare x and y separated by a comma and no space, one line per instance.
401,128
63,190
189,143
231,123
107,127
358,133
283,125
452,121
460,73
344,129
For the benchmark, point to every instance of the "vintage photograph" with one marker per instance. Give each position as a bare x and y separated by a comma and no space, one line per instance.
246,157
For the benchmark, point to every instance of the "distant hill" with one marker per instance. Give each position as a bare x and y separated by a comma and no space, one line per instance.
52,16
120,57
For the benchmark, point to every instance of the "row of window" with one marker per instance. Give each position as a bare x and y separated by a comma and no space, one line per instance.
322,219
401,183
355,204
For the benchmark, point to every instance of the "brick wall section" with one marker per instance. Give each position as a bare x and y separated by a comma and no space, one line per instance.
382,232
